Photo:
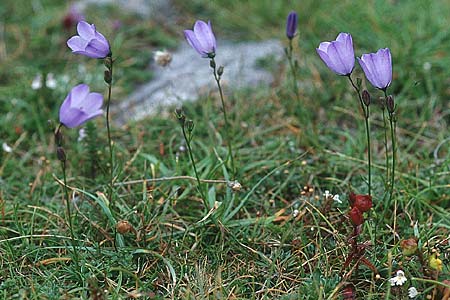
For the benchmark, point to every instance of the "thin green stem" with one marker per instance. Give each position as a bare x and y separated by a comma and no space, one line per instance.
386,144
108,128
366,117
289,51
191,156
227,124
392,123
62,157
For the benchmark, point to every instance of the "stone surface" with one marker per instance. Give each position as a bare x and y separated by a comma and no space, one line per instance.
190,76
143,8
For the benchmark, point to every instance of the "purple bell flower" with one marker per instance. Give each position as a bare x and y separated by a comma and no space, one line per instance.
80,106
89,42
378,68
291,24
202,39
338,55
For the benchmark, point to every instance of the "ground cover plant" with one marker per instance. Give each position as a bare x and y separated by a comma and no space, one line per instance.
332,183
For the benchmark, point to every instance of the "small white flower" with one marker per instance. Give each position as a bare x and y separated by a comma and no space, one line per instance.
6,148
162,58
336,198
295,213
412,292
399,279
327,194
50,82
81,134
37,82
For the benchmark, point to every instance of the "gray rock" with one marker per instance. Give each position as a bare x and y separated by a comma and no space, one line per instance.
189,76
143,8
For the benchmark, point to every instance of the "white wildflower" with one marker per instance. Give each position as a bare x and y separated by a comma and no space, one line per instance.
6,148
37,82
162,58
50,82
295,213
412,292
81,134
327,194
336,198
398,279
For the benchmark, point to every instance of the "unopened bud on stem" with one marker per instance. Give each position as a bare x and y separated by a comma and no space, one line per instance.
366,97
390,104
220,71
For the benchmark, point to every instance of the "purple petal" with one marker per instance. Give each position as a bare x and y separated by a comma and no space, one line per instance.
72,117
213,37
192,40
93,103
204,36
85,30
78,95
77,44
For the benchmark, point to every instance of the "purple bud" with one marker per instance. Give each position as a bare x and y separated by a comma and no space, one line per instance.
390,104
89,42
378,68
202,39
338,55
61,154
291,24
366,97
80,106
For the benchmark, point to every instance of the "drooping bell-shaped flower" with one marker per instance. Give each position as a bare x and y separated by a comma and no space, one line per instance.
378,68
338,55
80,106
89,42
291,24
202,39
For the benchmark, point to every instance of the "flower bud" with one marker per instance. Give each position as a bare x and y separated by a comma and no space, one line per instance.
190,125
61,154
108,77
356,216
212,63
220,71
180,116
409,246
366,97
390,104
58,137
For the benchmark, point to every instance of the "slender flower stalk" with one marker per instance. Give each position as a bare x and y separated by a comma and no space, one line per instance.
108,79
190,126
366,112
217,75
60,153
386,151
392,123
292,66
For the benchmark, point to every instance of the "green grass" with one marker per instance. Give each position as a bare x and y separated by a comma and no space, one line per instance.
252,247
